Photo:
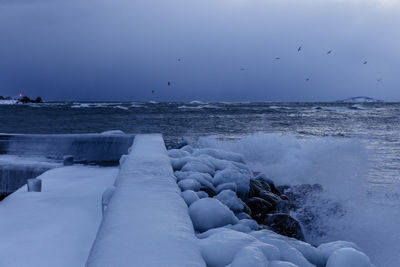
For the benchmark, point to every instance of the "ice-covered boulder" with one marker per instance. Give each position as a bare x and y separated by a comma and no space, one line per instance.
201,194
287,252
230,199
198,166
203,178
189,196
326,250
249,256
250,223
233,175
348,257
189,184
242,215
220,248
208,213
178,153
244,226
230,186
188,149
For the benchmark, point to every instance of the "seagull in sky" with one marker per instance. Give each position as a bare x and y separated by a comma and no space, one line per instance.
299,49
329,52
365,62
169,83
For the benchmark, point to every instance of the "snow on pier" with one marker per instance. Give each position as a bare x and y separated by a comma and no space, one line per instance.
55,227
146,222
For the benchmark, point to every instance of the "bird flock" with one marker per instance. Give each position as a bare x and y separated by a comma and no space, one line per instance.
299,49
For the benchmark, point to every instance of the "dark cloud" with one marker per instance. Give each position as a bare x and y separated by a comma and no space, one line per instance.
116,50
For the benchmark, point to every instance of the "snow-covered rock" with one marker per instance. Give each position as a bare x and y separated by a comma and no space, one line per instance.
188,149
326,250
230,199
288,252
190,196
198,166
178,153
189,184
201,194
230,186
249,256
348,257
220,248
233,175
208,213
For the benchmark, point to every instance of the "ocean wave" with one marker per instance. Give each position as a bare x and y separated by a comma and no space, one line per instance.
344,210
199,107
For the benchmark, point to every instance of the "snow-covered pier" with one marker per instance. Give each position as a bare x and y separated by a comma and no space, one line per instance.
146,223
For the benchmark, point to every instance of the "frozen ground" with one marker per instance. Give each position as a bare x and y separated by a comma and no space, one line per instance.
57,226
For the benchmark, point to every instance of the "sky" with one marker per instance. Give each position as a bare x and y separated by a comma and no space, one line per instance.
221,50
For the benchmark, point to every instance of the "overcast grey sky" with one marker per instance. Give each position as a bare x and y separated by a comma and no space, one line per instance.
124,49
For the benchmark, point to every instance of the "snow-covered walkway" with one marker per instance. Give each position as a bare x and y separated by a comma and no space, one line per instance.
146,222
56,227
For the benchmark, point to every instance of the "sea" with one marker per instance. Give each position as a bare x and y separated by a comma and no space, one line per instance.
351,149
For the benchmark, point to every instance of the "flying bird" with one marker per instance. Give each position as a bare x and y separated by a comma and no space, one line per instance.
179,59
379,80
365,62
308,79
329,52
277,58
169,83
299,49
242,69
152,91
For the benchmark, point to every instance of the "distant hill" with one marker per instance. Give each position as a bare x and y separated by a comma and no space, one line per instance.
360,99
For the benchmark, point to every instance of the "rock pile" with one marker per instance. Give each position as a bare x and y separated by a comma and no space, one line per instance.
242,219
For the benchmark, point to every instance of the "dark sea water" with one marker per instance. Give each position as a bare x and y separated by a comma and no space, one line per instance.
352,149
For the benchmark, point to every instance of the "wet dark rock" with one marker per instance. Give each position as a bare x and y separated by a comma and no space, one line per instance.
209,191
285,224
255,187
260,208
270,197
246,208
265,180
